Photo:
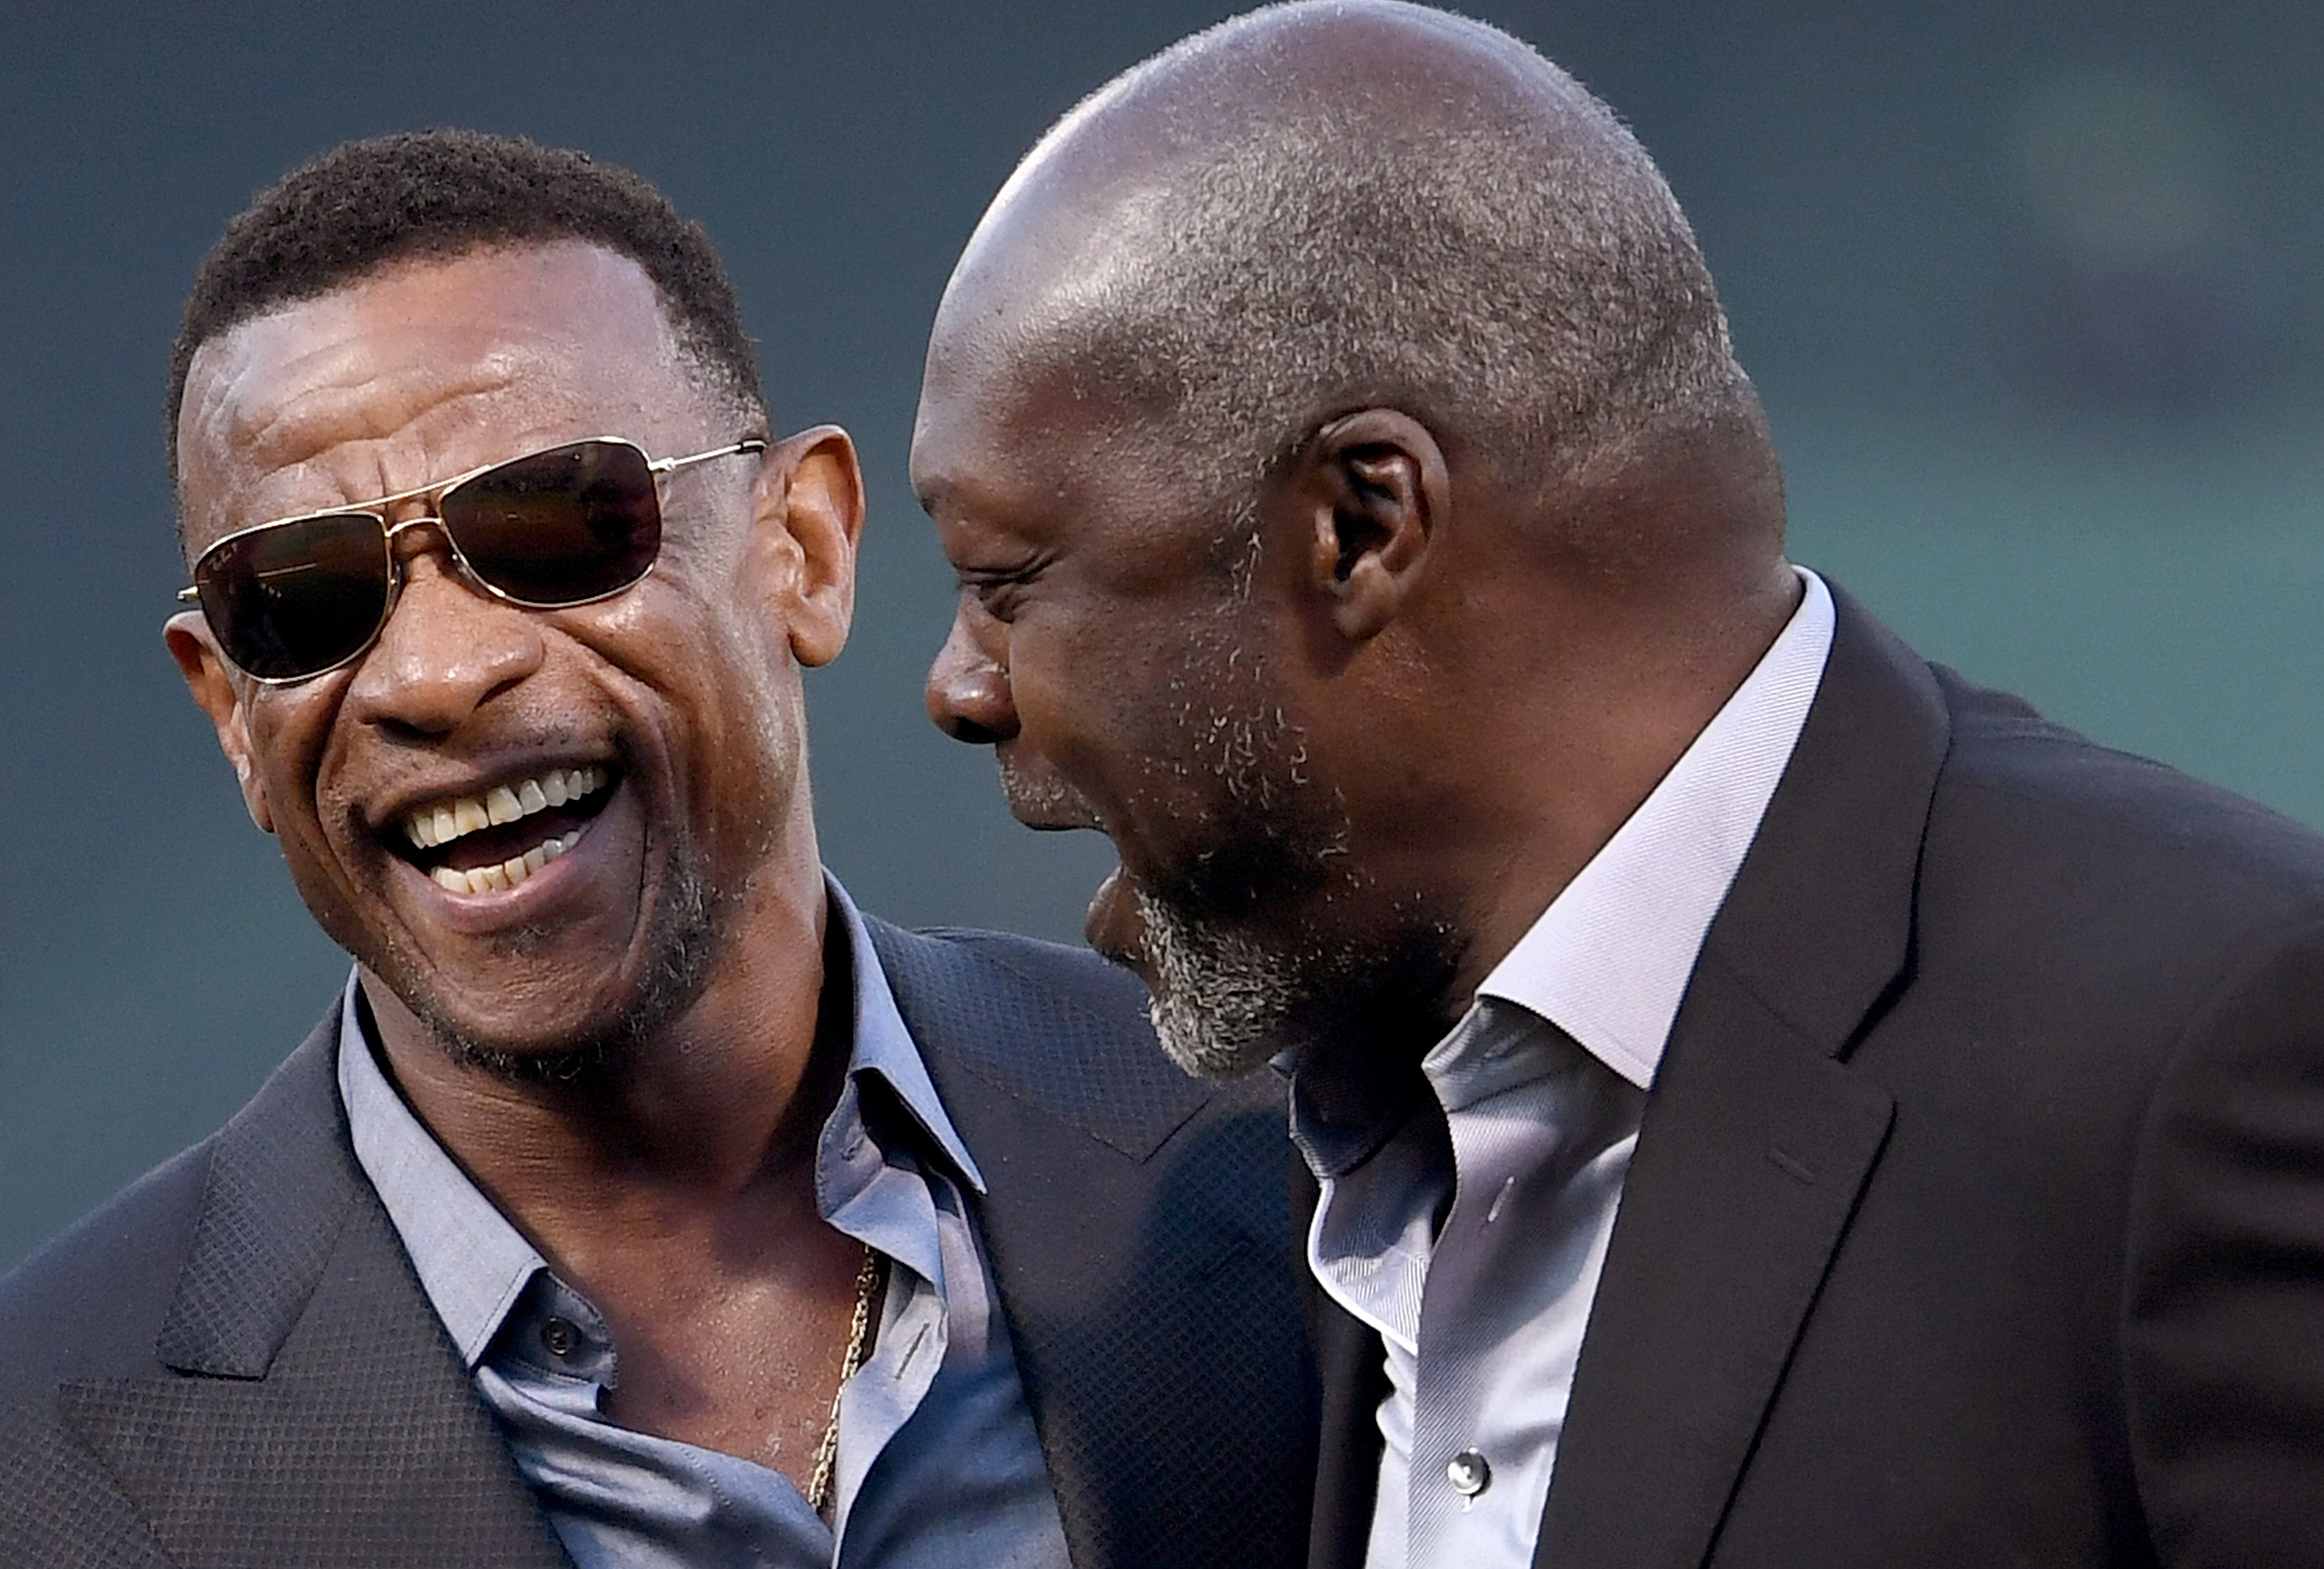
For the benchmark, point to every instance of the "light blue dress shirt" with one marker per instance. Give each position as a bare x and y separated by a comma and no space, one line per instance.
939,1465
1471,1237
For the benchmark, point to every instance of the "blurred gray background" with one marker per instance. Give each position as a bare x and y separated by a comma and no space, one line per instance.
2037,304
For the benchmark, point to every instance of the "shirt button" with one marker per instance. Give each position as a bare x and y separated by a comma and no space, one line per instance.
560,1337
1469,1474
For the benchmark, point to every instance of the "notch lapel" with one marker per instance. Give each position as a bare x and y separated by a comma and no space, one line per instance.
316,1413
1757,1137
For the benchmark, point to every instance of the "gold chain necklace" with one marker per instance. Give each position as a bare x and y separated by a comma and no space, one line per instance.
826,1453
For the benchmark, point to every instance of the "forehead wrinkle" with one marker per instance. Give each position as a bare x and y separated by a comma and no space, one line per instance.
284,413
534,325
345,443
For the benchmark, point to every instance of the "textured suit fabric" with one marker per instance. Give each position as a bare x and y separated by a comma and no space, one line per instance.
1978,1211
233,1363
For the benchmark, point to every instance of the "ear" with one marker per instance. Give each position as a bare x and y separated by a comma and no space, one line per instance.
810,522
217,689
1374,489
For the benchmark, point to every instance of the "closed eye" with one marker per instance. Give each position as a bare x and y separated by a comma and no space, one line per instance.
997,593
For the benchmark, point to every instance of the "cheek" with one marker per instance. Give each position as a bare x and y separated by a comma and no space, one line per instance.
742,705
292,757
290,736
1120,708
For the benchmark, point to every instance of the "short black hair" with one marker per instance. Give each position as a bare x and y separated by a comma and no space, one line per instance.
441,193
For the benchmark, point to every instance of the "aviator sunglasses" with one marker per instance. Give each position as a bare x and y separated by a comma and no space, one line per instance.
570,525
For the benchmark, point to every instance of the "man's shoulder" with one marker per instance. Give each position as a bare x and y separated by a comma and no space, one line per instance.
1012,969
2043,799
1050,1026
93,1302
90,1303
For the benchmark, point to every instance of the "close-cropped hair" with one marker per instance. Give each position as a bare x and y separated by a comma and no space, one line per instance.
1512,268
440,193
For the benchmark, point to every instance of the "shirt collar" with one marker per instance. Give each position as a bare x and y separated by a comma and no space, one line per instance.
1608,961
471,1259
884,1045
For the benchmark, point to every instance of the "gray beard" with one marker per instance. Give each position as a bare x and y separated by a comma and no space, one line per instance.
1245,958
1221,1003
1224,1002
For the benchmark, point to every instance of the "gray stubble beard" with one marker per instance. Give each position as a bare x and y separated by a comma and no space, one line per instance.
1225,1001
1221,1002
1245,958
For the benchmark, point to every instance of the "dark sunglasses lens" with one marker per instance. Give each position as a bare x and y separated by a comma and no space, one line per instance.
296,598
559,527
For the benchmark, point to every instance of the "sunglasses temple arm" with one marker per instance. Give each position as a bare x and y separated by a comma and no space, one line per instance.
748,444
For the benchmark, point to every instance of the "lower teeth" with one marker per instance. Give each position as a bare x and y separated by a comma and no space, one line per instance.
510,873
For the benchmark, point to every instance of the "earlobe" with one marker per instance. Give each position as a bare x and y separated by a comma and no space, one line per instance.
213,685
810,522
1377,490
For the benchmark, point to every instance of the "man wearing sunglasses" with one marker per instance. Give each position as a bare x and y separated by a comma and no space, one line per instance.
640,1202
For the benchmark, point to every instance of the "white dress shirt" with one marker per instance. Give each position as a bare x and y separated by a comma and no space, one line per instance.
1480,1302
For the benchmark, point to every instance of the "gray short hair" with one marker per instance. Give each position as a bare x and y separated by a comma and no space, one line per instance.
1511,269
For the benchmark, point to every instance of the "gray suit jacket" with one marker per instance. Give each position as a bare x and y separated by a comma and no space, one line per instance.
233,1363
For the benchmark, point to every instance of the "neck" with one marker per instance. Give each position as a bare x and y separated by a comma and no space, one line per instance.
1556,765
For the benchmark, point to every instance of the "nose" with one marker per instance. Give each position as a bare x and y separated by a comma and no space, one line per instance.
446,649
968,690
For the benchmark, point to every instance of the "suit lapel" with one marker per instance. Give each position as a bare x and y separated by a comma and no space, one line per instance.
318,1413
1149,1285
1757,1137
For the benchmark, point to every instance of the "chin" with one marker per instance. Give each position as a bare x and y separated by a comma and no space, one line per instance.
597,1058
1224,1002
681,952
1228,998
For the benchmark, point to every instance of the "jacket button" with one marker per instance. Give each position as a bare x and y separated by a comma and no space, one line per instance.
1469,1474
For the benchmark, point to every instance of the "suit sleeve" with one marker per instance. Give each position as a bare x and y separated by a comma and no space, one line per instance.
2224,1290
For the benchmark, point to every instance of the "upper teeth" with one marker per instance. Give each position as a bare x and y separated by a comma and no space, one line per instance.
430,827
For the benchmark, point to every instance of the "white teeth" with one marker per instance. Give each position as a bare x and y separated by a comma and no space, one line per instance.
510,873
430,827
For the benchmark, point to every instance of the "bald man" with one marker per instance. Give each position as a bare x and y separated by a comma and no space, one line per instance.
1772,1103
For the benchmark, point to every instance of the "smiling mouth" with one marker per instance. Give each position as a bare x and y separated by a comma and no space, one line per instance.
493,841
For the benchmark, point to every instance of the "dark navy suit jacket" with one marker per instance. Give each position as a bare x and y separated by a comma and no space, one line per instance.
233,1363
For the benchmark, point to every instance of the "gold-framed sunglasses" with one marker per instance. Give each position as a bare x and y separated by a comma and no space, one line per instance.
568,525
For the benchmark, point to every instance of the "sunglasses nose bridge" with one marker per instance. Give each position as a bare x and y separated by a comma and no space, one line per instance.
423,534
415,538
397,530
421,537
